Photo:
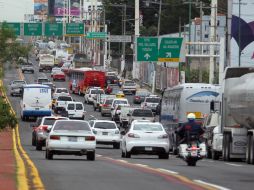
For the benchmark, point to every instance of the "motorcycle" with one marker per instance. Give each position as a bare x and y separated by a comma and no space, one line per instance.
192,152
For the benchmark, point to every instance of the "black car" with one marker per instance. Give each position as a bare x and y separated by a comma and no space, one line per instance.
112,80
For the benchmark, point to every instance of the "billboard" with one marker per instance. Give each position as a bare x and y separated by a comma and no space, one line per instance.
242,32
40,7
61,8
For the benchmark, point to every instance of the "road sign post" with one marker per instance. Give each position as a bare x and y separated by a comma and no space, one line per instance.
53,29
119,38
147,49
172,50
74,29
32,29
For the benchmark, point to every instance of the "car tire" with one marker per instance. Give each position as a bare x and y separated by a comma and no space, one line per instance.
116,145
127,154
38,145
102,114
90,156
49,154
33,139
123,154
163,156
99,109
83,117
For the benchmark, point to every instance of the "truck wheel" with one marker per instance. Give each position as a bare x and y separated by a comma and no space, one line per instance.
215,155
248,151
226,147
252,150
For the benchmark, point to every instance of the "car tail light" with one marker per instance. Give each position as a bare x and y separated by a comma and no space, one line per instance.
165,136
44,128
105,105
117,132
137,97
133,135
54,137
90,138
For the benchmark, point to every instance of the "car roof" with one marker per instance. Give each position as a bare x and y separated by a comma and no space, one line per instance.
60,117
120,99
107,121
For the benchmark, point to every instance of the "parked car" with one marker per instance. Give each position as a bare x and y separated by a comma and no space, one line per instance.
91,93
145,137
129,87
106,132
73,137
27,68
58,75
75,110
140,114
41,128
16,87
140,96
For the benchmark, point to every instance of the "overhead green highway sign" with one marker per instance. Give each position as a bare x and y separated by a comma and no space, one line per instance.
147,49
53,29
32,29
74,29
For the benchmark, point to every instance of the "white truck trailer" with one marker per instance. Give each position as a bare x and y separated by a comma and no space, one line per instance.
46,62
237,115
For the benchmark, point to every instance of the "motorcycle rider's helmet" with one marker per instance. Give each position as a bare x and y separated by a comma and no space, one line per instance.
191,116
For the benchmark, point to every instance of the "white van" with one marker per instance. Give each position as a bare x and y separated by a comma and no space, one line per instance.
75,110
35,101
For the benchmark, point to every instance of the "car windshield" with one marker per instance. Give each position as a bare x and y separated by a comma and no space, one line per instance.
120,102
109,101
70,107
72,126
97,92
19,82
111,78
147,127
129,84
142,113
104,125
142,93
51,121
61,91
64,98
153,100
43,80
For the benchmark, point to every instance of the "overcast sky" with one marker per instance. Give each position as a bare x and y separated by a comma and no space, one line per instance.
14,10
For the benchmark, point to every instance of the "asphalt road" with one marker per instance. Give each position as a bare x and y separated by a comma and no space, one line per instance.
110,171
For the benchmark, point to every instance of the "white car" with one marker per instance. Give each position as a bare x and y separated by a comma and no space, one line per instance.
75,110
106,132
73,137
61,102
60,92
151,102
115,114
91,93
117,101
55,70
145,137
129,87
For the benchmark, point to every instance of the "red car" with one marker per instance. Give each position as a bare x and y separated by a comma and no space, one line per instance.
58,76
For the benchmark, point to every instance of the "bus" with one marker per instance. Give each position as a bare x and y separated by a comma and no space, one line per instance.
182,99
35,101
82,78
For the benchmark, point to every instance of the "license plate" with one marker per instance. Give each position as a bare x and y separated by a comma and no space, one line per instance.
104,133
73,139
148,148
194,153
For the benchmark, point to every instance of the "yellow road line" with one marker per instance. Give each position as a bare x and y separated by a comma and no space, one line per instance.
21,171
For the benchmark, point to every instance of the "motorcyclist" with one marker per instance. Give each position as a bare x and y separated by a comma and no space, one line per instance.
190,130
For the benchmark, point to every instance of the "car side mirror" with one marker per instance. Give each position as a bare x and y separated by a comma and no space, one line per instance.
122,132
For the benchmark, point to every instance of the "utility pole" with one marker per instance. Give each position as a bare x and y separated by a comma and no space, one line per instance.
201,40
159,19
123,43
213,39
135,38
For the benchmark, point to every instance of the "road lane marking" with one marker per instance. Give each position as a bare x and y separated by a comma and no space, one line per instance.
236,165
168,171
21,170
211,184
170,176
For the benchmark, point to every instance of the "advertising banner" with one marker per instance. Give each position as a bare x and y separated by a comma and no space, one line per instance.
40,7
242,32
61,8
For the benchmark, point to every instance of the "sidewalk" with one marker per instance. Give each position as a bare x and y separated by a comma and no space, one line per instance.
7,160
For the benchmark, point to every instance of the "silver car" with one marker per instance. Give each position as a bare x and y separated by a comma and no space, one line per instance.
16,87
106,107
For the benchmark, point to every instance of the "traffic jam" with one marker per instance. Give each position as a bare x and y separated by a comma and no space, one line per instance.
124,116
